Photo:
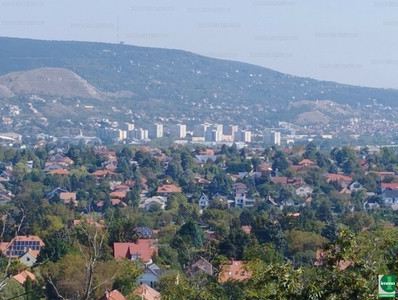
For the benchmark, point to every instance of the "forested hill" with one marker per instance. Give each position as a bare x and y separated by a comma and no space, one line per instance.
176,76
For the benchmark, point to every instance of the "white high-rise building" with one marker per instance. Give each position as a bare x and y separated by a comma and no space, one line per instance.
138,134
213,133
127,126
156,130
179,130
272,138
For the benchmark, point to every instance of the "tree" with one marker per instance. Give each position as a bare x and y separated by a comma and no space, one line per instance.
187,241
126,278
279,161
267,231
174,169
233,245
301,246
57,245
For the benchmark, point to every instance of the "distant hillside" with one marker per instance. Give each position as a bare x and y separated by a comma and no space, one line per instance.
176,75
49,81
147,83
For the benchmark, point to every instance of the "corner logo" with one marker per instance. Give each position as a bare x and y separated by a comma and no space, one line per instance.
386,286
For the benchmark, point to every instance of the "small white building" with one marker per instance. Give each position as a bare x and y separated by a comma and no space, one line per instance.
153,201
203,202
304,191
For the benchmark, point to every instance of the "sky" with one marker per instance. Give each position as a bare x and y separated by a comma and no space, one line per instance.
353,42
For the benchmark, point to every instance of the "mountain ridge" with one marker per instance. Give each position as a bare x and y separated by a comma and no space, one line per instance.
157,82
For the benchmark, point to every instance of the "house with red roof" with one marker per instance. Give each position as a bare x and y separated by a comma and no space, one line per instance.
102,173
22,276
145,292
389,185
68,197
24,247
167,189
112,295
234,270
140,249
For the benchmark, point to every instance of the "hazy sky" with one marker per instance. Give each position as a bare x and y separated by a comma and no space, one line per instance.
353,41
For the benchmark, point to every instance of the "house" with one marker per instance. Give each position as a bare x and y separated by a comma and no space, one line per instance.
140,249
338,177
307,163
167,189
304,191
202,159
24,247
354,186
240,191
389,185
54,166
118,194
203,202
117,201
370,203
390,197
202,265
151,274
234,270
145,292
58,159
384,174
28,258
60,172
102,173
54,192
277,179
112,295
68,197
22,276
144,232
149,203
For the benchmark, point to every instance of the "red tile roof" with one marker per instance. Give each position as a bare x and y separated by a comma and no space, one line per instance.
120,187
306,162
168,188
103,173
147,292
112,295
234,270
142,247
22,276
117,202
118,194
282,180
390,185
4,245
59,172
333,177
